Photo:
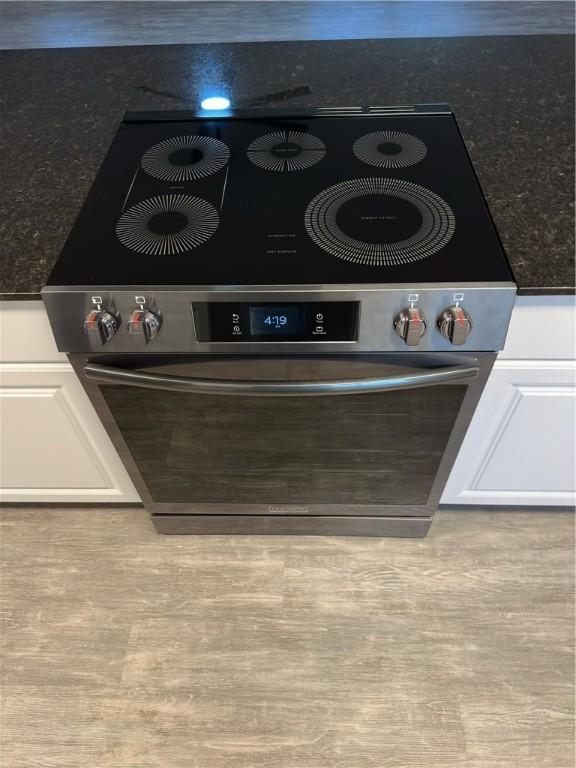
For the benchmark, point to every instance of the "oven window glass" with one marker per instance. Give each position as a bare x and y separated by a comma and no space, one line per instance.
381,448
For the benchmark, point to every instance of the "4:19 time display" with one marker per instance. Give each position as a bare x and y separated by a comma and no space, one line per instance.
277,321
270,320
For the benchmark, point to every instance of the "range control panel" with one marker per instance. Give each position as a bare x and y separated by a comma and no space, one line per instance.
394,319
277,322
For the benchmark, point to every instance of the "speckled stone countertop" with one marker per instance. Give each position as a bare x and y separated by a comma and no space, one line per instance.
512,97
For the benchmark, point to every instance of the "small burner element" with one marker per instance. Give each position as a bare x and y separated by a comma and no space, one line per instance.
167,225
286,151
184,158
389,149
379,221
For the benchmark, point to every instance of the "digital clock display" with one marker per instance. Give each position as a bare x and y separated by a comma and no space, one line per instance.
286,322
271,320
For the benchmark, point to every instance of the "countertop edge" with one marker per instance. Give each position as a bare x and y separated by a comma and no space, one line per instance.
527,291
561,290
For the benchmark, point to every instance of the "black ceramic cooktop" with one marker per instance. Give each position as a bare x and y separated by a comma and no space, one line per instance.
284,201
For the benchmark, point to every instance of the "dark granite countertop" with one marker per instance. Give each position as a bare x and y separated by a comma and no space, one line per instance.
513,97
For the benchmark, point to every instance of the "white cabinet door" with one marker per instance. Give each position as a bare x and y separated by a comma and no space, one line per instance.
53,447
519,448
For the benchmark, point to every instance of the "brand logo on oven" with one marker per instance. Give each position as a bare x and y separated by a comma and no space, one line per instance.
288,509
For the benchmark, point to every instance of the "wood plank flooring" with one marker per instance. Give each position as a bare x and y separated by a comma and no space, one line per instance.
125,649
80,24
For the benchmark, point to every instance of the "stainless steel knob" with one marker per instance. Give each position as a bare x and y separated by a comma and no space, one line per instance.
455,325
410,326
143,326
100,325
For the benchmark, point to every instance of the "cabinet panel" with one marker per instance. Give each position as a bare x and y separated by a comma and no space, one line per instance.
534,437
52,445
542,328
25,334
520,447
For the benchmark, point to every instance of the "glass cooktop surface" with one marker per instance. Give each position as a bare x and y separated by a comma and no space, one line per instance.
284,201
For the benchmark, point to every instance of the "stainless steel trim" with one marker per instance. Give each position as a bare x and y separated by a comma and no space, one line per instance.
278,288
489,306
104,374
301,525
288,113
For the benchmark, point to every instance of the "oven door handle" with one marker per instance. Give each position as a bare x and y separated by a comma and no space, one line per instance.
103,374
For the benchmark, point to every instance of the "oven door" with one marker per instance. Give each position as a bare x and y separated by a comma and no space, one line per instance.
353,435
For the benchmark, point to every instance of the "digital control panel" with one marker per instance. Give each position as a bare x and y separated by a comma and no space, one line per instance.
283,321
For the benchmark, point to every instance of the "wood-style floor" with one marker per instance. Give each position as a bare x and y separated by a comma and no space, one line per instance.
126,649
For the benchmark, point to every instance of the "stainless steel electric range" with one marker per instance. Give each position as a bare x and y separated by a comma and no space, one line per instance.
285,319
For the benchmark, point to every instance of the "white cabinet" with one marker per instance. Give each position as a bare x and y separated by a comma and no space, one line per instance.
520,446
53,447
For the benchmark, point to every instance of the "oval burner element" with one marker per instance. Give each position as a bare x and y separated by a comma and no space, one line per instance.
167,225
185,158
389,149
286,151
379,221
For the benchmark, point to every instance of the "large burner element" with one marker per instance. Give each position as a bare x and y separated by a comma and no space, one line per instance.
286,151
185,158
389,149
379,221
167,225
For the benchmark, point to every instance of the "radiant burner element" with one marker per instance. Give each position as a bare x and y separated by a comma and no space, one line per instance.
389,149
184,158
167,225
286,151
379,222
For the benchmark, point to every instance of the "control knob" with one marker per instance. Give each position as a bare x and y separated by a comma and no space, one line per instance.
100,325
455,325
410,326
143,326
